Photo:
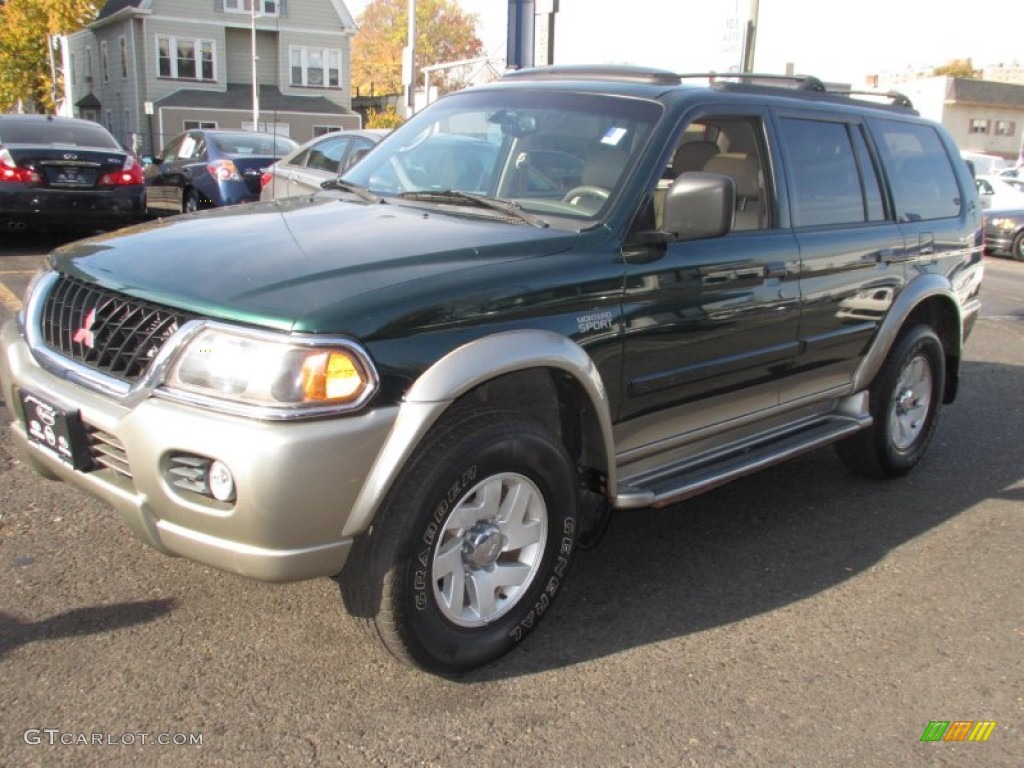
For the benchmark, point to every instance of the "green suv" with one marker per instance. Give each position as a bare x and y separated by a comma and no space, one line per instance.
572,291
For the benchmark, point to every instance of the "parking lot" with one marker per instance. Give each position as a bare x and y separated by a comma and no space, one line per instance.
799,617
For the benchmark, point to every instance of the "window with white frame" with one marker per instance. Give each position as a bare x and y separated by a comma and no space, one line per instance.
315,67
185,58
1005,128
124,57
263,7
198,125
88,63
320,130
104,62
979,125
74,69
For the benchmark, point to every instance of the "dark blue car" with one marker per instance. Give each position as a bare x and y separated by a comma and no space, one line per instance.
210,168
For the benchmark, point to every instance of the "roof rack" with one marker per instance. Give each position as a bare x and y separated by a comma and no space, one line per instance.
731,80
721,80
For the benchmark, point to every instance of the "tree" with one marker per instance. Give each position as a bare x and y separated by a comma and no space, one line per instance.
24,59
957,68
444,32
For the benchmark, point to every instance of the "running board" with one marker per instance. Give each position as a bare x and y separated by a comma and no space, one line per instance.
692,476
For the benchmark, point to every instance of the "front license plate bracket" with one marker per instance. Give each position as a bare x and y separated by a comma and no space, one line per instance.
57,431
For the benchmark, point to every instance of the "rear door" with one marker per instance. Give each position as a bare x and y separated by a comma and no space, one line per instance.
322,162
852,252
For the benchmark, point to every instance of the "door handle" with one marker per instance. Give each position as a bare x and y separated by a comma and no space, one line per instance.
775,269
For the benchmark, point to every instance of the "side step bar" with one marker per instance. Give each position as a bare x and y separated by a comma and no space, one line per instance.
690,477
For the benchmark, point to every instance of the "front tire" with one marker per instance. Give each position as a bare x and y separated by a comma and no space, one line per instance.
905,398
1017,249
471,545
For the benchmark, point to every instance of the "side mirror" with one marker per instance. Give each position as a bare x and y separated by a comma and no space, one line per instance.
699,205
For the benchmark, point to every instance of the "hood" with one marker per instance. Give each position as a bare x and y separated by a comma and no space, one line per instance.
320,265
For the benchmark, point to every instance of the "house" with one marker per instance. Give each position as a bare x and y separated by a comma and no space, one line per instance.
149,69
981,115
985,116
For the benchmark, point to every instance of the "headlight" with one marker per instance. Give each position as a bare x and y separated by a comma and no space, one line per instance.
257,369
1004,223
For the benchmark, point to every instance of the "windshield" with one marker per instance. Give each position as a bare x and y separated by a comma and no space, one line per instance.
553,154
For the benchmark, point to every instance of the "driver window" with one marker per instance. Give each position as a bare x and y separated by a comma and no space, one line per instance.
730,147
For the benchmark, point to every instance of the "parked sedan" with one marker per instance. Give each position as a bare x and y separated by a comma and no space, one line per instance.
1004,232
208,168
62,172
304,169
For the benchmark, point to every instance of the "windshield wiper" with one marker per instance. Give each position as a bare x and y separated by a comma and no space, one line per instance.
355,189
480,201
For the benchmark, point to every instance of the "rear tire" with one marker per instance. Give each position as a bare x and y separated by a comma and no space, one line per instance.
904,403
190,203
471,545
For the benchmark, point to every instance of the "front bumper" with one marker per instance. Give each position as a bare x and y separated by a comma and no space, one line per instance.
79,209
296,481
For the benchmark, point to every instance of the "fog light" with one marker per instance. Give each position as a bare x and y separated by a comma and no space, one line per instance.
220,481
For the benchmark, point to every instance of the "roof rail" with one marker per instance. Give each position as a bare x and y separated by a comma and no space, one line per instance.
799,82
621,73
898,99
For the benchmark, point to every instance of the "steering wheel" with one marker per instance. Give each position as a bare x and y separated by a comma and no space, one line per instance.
577,194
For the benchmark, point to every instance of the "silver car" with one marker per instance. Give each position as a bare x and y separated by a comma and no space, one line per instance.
304,169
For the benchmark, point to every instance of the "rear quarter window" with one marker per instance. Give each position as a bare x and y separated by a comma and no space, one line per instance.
58,133
923,181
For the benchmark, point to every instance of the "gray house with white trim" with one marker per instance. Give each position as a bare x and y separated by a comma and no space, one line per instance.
149,69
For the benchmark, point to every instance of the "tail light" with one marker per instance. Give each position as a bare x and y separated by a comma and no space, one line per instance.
224,170
11,171
130,174
265,178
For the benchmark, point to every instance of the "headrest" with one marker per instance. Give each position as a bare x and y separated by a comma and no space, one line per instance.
692,156
742,167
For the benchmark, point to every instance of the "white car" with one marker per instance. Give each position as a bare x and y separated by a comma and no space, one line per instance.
998,192
303,170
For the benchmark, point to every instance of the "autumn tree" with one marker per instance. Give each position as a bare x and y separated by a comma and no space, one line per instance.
957,68
25,74
444,32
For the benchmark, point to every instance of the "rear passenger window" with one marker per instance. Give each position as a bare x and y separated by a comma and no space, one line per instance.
830,182
923,182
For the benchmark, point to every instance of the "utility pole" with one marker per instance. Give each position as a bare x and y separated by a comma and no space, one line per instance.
409,61
255,82
750,38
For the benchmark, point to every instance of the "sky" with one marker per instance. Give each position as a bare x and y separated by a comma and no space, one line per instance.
817,36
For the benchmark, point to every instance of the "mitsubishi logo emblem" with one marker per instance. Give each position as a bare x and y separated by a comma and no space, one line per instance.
84,335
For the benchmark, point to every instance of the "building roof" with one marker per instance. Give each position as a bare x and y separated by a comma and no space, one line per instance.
89,101
239,97
963,89
113,6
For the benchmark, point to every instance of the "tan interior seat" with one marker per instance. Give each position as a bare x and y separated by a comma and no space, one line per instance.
746,173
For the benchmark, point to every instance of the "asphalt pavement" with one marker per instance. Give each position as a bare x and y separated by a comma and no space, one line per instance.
799,617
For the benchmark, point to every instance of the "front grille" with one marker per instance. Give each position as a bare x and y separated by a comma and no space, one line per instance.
109,332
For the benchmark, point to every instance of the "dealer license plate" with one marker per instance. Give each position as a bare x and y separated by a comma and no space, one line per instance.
55,430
